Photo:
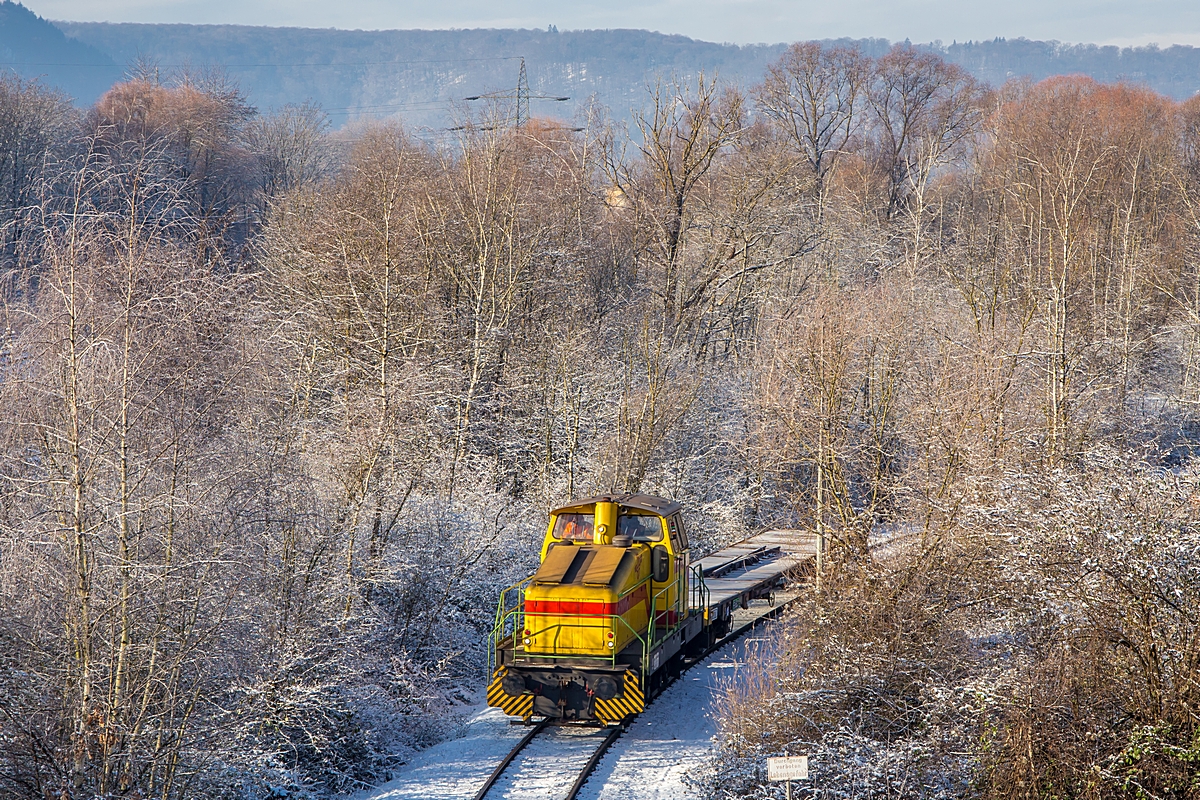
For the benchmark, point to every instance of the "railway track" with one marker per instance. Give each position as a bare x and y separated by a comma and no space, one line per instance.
490,787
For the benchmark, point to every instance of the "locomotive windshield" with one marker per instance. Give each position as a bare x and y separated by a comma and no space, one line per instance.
640,527
574,527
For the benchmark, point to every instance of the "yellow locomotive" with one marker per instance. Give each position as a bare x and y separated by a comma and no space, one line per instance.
613,608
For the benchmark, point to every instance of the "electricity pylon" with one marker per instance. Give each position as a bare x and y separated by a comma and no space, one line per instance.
521,95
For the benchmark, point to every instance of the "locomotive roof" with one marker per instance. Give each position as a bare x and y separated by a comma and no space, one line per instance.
642,502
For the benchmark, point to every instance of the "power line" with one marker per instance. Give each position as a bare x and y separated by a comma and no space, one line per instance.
387,106
289,66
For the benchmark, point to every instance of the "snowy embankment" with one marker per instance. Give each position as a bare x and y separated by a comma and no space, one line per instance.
650,761
455,768
671,739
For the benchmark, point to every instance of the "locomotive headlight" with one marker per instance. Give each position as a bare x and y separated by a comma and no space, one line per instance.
610,644
526,640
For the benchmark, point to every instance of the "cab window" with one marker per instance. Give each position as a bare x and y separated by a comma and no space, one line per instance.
675,523
640,527
573,527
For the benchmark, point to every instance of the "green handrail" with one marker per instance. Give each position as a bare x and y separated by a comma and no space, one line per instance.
700,590
610,621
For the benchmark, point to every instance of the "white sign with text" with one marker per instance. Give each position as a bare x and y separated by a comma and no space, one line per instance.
790,768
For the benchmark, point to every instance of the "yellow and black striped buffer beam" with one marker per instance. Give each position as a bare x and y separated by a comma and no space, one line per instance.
514,705
632,701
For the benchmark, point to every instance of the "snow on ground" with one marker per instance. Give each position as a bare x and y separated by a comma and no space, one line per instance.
670,738
456,768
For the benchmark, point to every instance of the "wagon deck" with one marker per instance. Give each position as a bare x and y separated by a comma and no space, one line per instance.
751,569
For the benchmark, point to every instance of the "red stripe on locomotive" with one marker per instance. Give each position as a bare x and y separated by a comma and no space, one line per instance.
588,608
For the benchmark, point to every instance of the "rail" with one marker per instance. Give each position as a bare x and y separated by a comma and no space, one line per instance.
508,759
594,761
615,731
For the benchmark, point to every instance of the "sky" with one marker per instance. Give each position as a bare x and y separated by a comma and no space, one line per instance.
1130,22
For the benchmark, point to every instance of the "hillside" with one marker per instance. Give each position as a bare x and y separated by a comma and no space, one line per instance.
1174,71
35,48
423,75
419,74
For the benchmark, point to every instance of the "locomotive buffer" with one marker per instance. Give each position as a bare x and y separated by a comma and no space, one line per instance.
617,605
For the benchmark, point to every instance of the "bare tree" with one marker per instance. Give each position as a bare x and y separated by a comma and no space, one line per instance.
815,95
1073,160
116,398
36,127
193,129
922,108
347,266
292,148
681,137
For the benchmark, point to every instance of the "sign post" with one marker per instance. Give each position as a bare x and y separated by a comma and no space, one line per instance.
788,769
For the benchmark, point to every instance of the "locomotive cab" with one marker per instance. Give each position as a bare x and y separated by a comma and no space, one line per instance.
606,570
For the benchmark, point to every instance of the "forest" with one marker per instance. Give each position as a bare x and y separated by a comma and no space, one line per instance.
283,407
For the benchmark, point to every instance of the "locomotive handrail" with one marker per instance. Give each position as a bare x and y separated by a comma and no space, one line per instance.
700,591
595,621
680,594
520,587
503,613
515,613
